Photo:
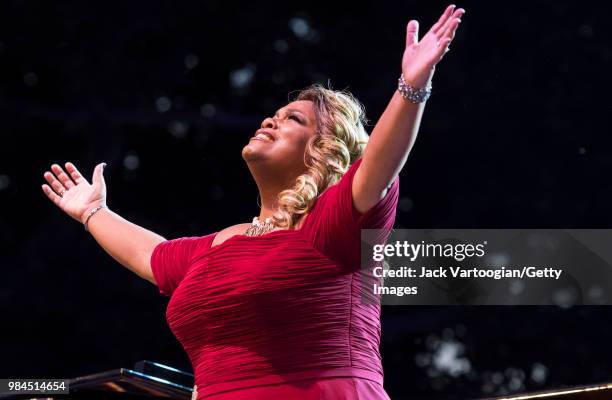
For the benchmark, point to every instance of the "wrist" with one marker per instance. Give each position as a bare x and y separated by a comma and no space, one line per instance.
88,215
420,79
411,93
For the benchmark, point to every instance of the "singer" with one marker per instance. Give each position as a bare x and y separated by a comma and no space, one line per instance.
272,309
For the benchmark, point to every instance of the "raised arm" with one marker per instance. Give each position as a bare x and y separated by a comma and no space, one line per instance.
129,244
396,130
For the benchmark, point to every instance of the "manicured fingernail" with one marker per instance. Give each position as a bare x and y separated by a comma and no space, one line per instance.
103,165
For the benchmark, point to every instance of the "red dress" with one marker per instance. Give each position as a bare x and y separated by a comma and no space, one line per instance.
280,316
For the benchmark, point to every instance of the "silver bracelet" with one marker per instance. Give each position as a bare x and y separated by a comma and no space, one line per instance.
92,212
412,94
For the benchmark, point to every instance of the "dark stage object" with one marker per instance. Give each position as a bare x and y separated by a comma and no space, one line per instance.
602,391
147,380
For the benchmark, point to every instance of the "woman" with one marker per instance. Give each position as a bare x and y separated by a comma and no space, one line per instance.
273,309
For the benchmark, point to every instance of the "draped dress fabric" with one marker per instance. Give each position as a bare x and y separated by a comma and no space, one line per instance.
280,316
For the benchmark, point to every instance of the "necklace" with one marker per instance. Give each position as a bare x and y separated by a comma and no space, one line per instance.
258,228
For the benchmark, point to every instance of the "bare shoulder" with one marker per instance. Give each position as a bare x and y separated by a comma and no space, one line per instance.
228,232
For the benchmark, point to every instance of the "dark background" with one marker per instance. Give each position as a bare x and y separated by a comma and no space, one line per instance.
516,135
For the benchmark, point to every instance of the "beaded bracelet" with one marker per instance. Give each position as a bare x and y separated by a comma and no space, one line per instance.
92,212
412,94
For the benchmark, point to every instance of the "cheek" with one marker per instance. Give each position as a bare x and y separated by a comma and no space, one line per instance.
294,147
289,156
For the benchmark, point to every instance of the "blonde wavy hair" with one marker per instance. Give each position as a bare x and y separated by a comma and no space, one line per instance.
340,140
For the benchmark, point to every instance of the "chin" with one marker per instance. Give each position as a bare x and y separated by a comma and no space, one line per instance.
249,153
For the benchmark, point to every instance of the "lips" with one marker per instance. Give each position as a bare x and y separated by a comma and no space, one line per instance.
264,136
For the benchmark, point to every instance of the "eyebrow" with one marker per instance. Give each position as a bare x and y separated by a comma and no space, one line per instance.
294,110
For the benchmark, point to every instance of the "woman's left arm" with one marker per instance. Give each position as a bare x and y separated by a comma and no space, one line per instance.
396,130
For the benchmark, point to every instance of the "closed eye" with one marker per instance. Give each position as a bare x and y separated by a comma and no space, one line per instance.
295,118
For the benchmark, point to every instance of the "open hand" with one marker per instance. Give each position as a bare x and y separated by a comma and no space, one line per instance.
421,57
72,193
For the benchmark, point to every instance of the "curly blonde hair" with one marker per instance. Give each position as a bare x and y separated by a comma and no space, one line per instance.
340,140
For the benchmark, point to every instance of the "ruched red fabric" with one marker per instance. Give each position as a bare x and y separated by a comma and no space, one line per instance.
280,315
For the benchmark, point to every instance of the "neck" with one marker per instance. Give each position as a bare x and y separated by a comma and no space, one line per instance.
268,205
269,186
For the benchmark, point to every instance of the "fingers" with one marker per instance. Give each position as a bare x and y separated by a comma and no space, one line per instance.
412,33
62,176
74,173
54,183
98,177
449,34
449,28
59,181
443,18
51,195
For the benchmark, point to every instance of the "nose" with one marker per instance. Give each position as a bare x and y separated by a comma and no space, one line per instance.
269,123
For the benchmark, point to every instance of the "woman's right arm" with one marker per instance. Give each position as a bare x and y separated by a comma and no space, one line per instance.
129,244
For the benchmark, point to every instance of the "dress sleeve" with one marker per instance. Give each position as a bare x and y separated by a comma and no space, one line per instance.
171,260
335,227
